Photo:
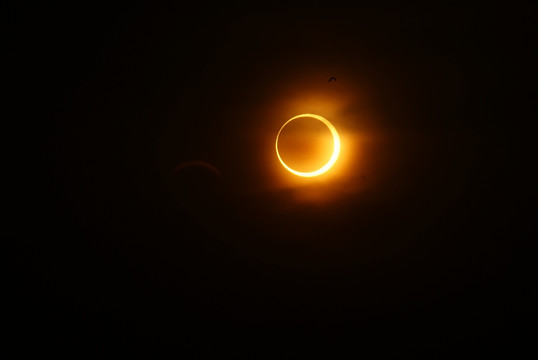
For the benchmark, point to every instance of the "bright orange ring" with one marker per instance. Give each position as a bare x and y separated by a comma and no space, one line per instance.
332,160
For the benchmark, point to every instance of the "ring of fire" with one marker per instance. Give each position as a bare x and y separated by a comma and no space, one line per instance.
332,160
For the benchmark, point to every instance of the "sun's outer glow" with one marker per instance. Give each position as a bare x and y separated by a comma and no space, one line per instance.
332,160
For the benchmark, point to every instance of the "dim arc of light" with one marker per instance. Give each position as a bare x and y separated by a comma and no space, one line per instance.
332,160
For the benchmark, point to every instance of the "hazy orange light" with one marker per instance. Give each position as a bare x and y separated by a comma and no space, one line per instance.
332,160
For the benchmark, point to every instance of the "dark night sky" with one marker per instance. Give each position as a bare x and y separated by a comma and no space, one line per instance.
422,249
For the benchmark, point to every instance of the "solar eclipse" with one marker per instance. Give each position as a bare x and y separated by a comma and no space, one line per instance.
328,164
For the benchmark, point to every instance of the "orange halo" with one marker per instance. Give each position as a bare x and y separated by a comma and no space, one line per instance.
332,160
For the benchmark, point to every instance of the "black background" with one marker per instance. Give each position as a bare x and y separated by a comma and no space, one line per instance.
117,247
